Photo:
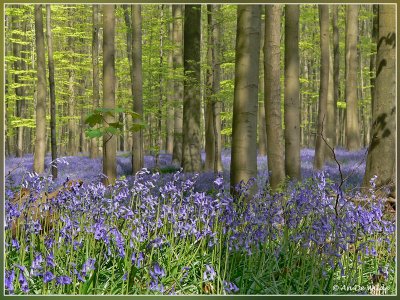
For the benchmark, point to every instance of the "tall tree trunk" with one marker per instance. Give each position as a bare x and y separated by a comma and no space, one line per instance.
381,158
262,131
94,148
336,71
53,116
272,99
170,105
352,122
191,159
330,112
292,91
19,88
372,62
137,150
213,105
178,86
161,90
244,123
320,146
40,142
109,140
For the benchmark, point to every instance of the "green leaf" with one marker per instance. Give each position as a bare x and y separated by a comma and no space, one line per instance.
137,126
117,125
93,133
111,130
94,119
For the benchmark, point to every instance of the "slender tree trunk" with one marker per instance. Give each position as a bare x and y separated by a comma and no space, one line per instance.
372,62
178,86
292,91
40,142
19,89
170,105
191,159
381,158
336,72
94,148
137,150
320,147
262,131
352,122
245,105
52,93
109,140
272,100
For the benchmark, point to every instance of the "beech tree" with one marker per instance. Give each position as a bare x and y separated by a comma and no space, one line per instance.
381,160
272,97
109,139
352,122
191,159
52,92
245,105
292,92
320,146
40,141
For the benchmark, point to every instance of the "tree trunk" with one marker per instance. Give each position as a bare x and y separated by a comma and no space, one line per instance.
94,148
262,131
245,105
191,159
53,116
352,122
292,91
109,140
178,86
372,62
170,100
137,149
381,158
272,99
336,72
320,146
40,142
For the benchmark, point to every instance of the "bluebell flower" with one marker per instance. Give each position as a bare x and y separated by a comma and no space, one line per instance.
48,276
23,282
9,280
50,260
230,287
63,279
209,274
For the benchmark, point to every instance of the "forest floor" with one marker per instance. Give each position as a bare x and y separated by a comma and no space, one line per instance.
86,169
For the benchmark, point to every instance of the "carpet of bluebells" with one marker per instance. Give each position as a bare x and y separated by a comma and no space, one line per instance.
166,232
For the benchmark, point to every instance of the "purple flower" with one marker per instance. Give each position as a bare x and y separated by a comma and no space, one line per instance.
157,271
125,276
48,276
50,260
37,261
230,287
8,280
15,244
209,273
138,259
88,266
23,282
63,279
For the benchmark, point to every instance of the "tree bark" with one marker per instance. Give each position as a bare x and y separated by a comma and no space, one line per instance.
272,99
170,101
40,141
352,122
262,131
245,105
292,91
336,71
381,158
137,150
109,140
191,159
53,116
178,86
94,148
320,146
372,62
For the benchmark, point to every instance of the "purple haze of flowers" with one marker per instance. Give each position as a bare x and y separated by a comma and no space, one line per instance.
50,260
63,279
88,266
48,276
157,271
8,280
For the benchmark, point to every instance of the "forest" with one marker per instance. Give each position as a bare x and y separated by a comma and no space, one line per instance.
184,149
